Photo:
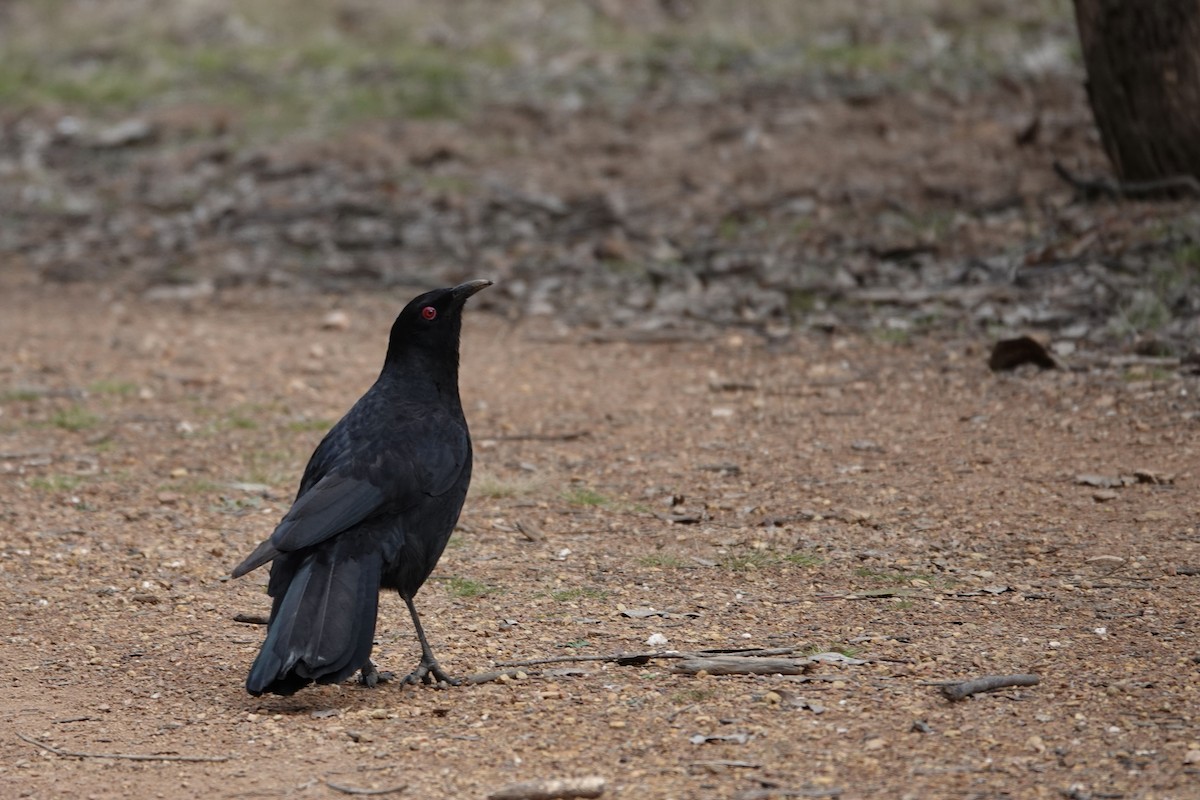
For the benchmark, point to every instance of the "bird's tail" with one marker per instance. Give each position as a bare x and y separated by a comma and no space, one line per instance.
323,623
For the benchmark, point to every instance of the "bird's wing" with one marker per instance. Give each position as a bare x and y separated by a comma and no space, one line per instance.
333,504
425,458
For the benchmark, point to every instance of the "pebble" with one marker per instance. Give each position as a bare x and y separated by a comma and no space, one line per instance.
336,321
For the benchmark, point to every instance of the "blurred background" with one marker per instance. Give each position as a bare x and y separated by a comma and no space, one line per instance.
645,166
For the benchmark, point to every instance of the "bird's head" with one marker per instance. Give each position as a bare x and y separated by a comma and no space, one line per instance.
432,322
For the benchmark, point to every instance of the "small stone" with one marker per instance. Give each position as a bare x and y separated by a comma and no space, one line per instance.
613,248
774,698
179,472
1104,495
616,723
378,713
124,133
875,744
336,321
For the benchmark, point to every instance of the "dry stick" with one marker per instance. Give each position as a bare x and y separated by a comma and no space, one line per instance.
744,665
1092,187
252,619
643,657
592,786
988,683
126,756
488,677
337,787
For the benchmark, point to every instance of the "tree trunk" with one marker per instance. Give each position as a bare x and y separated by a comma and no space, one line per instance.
1143,81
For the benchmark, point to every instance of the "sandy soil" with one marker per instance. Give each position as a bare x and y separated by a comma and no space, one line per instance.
898,504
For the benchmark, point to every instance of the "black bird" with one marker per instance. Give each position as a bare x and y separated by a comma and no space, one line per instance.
377,504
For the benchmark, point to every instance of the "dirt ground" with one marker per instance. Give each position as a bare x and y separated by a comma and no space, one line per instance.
895,503
729,391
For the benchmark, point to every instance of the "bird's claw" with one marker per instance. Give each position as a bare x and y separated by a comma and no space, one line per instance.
370,677
431,672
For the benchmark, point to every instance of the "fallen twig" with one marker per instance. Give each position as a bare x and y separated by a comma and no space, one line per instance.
488,677
636,659
252,619
337,787
560,789
1108,187
126,756
744,665
988,683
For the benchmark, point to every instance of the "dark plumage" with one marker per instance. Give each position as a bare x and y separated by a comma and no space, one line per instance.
377,504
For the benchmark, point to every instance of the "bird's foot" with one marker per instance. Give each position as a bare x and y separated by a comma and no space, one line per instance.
430,671
370,677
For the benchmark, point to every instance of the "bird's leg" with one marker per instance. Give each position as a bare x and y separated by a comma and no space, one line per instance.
370,676
429,670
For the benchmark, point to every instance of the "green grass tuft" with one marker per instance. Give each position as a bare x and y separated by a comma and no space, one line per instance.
75,418
583,496
309,425
662,561
55,483
465,587
19,396
114,387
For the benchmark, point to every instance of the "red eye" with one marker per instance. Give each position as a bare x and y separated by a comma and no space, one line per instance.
429,313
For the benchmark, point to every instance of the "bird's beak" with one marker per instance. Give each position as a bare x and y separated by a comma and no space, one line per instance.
465,290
